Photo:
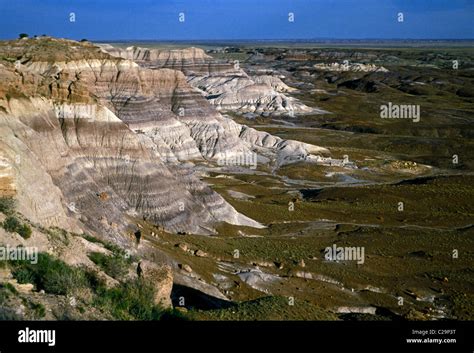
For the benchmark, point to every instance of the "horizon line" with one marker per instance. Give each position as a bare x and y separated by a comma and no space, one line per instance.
322,39
288,39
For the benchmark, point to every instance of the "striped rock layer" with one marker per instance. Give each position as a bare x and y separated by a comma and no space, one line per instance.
90,141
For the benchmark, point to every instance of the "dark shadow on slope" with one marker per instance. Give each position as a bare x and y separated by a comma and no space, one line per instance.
309,194
196,299
417,181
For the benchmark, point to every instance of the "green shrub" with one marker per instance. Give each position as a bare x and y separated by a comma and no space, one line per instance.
10,287
6,289
115,266
24,275
91,239
7,205
96,283
11,224
49,274
38,309
58,234
24,230
23,35
55,277
134,301
113,248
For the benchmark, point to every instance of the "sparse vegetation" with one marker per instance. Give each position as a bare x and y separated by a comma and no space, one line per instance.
9,287
267,308
50,274
24,230
408,253
38,309
91,239
115,265
51,49
134,301
12,224
7,205
58,234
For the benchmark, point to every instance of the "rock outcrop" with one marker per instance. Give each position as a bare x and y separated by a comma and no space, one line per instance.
352,67
160,277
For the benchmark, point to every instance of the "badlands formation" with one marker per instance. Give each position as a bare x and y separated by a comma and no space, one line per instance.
224,84
77,122
95,145
123,161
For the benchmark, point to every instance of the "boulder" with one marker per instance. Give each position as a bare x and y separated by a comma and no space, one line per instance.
200,253
186,268
183,246
160,276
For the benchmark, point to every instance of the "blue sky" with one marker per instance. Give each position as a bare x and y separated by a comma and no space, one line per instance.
238,19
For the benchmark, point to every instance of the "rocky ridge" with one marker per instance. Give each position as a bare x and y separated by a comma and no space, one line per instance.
352,67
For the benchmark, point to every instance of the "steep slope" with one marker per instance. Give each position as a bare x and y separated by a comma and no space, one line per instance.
81,165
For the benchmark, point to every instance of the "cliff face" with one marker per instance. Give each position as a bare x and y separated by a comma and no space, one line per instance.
68,158
224,84
188,60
